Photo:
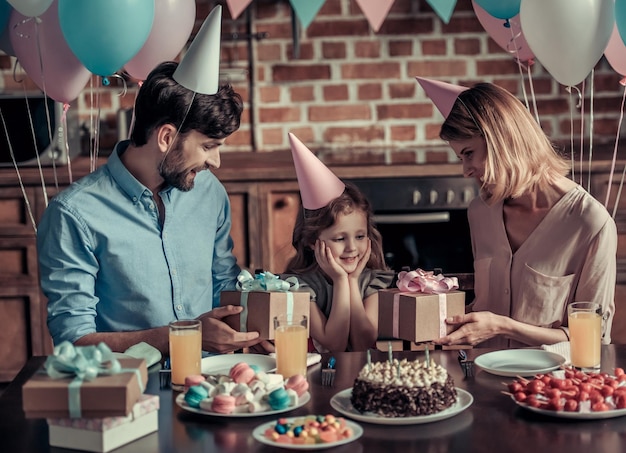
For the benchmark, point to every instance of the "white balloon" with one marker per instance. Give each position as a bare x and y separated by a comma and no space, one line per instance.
30,8
568,37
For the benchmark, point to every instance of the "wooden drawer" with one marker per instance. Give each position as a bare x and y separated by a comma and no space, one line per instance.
14,215
23,330
18,260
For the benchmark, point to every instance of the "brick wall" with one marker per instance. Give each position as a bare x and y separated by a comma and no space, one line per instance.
351,93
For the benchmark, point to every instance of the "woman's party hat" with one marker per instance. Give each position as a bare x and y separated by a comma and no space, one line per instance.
318,185
199,70
442,94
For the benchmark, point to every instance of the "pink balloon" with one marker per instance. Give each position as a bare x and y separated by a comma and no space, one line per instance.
171,28
63,76
615,52
503,35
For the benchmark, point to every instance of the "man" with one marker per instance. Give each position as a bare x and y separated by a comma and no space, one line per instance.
145,239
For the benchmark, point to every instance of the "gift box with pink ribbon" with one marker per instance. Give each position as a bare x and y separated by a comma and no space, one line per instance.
84,382
417,309
265,296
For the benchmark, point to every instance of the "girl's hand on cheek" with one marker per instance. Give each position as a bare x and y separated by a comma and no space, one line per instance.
327,262
362,261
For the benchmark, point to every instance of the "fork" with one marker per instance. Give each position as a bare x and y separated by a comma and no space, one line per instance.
165,375
328,373
466,365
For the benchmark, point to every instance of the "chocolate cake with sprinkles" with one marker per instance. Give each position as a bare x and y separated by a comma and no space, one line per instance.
403,389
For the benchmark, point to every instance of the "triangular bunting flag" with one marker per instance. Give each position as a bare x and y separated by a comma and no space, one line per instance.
306,10
443,8
375,11
236,7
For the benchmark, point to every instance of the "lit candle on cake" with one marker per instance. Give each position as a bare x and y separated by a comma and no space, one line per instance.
390,352
369,360
427,360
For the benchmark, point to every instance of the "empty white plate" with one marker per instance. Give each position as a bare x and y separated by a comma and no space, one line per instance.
519,362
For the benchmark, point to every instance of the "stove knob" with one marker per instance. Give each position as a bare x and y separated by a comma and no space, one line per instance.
468,195
450,196
417,197
433,197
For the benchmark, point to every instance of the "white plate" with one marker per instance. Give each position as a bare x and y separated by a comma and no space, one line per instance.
180,400
577,415
259,431
221,364
519,362
341,403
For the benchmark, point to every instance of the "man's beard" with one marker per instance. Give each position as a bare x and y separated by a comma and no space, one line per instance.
173,169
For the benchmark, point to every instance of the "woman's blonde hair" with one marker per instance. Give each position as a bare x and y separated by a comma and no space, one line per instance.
520,157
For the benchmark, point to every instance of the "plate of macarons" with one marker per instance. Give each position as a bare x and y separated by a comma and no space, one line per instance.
243,391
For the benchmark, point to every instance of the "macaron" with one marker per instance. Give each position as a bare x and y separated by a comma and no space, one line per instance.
298,383
194,395
194,379
223,404
241,373
278,399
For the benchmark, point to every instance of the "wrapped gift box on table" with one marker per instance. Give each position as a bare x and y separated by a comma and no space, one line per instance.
265,296
408,313
105,434
111,393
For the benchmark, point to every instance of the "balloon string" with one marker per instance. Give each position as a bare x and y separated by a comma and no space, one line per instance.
591,121
19,176
532,90
177,132
582,132
32,131
515,51
66,145
571,130
619,126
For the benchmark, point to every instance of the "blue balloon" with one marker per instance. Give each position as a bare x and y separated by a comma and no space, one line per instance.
105,34
620,18
5,13
501,9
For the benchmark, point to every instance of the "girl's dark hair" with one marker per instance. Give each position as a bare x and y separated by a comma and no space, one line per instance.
310,223
161,100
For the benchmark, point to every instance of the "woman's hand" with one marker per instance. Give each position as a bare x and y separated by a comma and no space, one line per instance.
327,261
473,328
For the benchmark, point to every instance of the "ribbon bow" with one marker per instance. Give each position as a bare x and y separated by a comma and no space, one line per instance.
265,281
84,363
425,282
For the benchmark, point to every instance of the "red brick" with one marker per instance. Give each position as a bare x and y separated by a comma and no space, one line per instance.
339,112
437,157
337,28
305,52
497,67
272,136
434,47
462,24
436,68
413,110
469,46
402,90
333,50
354,155
304,133
412,26
335,92
301,94
403,157
403,133
279,114
367,49
370,91
269,94
268,52
240,137
389,70
432,130
298,73
400,48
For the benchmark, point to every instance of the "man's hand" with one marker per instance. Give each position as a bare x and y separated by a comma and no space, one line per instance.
217,336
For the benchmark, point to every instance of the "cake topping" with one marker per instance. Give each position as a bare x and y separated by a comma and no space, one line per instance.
404,373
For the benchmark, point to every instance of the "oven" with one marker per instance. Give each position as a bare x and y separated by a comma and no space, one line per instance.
423,221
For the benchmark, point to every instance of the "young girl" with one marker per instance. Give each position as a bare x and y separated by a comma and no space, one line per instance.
339,257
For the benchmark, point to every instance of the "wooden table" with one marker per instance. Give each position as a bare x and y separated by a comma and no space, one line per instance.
493,423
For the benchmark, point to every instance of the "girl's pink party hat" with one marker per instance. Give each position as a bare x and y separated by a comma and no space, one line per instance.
442,94
318,185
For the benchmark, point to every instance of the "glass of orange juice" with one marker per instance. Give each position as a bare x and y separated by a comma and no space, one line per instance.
185,350
585,334
290,340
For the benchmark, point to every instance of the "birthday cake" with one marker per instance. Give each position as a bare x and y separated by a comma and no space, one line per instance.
403,388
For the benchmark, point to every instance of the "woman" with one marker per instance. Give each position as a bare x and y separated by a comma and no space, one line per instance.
540,241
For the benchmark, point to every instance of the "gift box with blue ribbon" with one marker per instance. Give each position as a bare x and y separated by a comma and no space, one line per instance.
264,296
84,382
417,309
